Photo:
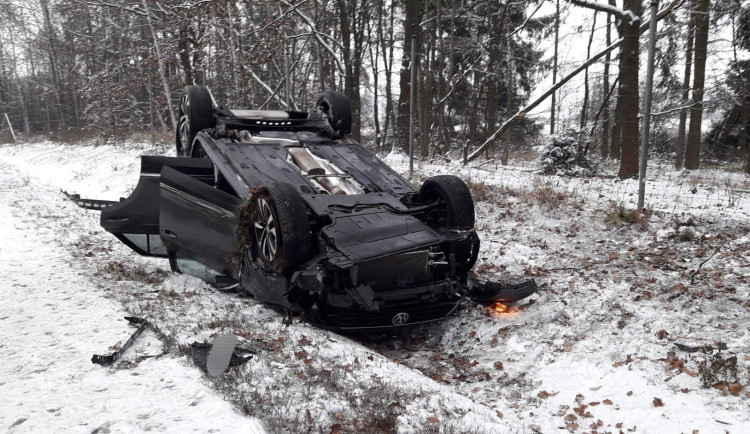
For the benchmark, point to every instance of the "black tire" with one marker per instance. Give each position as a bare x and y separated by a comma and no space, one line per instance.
283,243
467,253
197,151
195,113
456,207
336,108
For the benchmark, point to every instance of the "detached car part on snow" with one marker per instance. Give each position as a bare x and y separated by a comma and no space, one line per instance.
288,206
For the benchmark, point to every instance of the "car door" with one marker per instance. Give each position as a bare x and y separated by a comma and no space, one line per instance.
135,220
198,221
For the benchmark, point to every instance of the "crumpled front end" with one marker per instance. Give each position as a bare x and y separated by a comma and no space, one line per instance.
383,270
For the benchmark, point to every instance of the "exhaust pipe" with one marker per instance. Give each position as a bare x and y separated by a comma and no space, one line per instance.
302,158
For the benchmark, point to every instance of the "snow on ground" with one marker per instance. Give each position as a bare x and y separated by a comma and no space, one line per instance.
53,318
593,351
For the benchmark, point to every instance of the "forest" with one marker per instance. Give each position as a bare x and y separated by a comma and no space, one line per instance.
109,67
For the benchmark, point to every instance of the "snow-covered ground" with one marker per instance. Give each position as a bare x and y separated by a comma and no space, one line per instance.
593,351
54,317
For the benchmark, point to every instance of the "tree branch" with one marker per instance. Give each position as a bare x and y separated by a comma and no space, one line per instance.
315,32
521,113
607,9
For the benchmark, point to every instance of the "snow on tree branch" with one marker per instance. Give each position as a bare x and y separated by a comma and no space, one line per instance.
609,9
310,23
530,106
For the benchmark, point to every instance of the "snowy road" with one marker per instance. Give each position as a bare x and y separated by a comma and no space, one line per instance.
53,319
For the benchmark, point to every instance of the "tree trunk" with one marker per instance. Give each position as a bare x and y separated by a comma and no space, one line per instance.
426,88
745,119
411,28
693,148
52,53
347,22
387,49
745,133
580,150
374,52
532,105
184,54
604,148
629,100
584,106
616,145
439,111
495,46
508,92
473,113
680,144
162,71
423,115
554,68
19,86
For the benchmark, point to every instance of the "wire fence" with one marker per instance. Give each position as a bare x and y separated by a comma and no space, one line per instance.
707,193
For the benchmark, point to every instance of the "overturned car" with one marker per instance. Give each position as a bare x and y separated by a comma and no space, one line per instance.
285,205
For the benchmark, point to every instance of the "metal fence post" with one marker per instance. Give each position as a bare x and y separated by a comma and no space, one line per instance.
645,132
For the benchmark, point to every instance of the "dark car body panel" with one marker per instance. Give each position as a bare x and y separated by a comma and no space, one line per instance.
197,220
372,234
139,212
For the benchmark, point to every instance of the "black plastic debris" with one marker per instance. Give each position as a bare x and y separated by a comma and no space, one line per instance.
201,353
491,291
706,348
96,204
227,284
112,358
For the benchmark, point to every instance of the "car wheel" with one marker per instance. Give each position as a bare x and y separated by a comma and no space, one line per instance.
455,207
336,108
195,113
281,229
467,252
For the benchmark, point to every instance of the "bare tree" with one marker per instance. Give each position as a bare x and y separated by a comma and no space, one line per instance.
693,148
680,144
160,59
604,148
554,67
411,29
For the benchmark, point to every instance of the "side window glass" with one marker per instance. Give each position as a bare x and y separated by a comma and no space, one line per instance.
156,246
196,269
140,241
150,244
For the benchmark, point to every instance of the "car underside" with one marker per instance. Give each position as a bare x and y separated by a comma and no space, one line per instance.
288,207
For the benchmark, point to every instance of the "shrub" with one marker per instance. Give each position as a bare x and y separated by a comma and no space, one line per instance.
563,155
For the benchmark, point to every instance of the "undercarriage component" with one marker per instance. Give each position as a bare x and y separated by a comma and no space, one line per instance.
112,358
326,174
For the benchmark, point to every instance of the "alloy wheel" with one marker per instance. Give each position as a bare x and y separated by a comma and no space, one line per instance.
184,125
265,231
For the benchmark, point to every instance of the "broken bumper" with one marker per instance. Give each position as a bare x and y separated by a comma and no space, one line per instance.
389,318
489,291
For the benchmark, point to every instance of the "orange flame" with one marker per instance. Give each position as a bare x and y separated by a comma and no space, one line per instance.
502,308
